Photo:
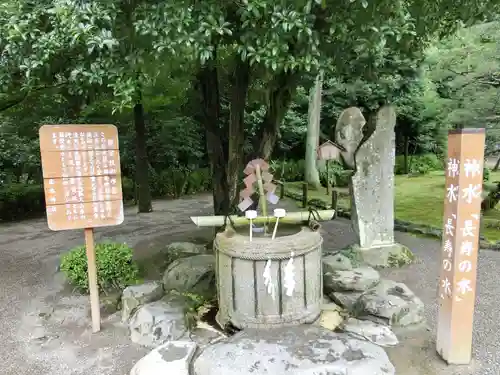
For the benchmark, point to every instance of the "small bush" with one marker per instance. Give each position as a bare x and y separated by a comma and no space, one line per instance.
339,177
174,183
128,189
20,201
419,164
199,181
288,170
115,267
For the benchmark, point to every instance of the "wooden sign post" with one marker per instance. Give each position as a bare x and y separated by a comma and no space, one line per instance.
328,151
462,210
82,183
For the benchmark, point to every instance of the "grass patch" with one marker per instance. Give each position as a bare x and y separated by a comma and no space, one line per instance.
418,200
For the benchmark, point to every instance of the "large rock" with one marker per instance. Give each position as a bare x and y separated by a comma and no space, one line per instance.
180,248
299,350
345,299
136,295
356,280
337,262
194,274
364,329
172,358
393,302
394,255
158,322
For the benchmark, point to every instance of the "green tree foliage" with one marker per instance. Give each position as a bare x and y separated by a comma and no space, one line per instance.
465,69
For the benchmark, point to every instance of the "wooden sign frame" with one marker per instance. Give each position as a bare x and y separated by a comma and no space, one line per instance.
82,185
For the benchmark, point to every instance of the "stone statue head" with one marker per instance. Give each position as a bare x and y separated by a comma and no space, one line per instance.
349,134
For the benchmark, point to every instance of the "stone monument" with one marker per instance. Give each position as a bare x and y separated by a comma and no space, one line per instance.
371,157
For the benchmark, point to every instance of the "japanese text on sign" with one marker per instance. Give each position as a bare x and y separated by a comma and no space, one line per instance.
467,229
82,177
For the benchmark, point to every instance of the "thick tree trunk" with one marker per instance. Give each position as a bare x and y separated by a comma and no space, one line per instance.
141,160
280,96
497,165
406,152
236,134
208,87
313,130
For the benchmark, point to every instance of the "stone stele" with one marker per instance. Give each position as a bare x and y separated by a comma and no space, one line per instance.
298,350
372,208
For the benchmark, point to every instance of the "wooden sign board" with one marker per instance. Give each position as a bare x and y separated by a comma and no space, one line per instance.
82,176
82,184
328,151
462,210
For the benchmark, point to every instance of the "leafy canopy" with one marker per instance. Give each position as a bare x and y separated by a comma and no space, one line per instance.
118,43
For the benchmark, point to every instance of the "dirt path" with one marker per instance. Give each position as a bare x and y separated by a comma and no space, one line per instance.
45,330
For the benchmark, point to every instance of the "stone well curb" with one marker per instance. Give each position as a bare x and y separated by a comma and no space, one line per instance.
399,225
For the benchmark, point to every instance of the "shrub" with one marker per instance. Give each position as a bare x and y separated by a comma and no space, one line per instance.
339,177
173,183
198,181
20,201
420,164
115,267
288,170
128,189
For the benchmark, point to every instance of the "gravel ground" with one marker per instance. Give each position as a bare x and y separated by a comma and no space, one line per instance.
45,329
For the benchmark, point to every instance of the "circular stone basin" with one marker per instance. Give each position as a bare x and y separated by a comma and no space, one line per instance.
269,283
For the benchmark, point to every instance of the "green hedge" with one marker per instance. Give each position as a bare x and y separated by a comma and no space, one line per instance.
21,201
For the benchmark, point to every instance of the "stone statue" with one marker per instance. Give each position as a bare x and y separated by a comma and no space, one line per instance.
371,159
349,134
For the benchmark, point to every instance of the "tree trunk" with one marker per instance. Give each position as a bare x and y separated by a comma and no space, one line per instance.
208,87
282,90
313,129
406,152
497,165
141,160
236,132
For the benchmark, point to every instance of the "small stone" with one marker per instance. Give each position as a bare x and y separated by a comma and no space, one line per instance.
299,350
330,317
135,295
392,301
173,358
158,322
364,329
337,262
345,299
194,274
357,280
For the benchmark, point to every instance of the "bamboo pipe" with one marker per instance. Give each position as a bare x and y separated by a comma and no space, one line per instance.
290,218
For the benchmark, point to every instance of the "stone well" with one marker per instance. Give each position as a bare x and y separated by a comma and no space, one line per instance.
269,283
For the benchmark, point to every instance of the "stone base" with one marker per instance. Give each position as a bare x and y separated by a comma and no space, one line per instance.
299,350
394,255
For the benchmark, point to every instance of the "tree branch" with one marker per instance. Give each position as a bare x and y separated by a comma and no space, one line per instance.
13,102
